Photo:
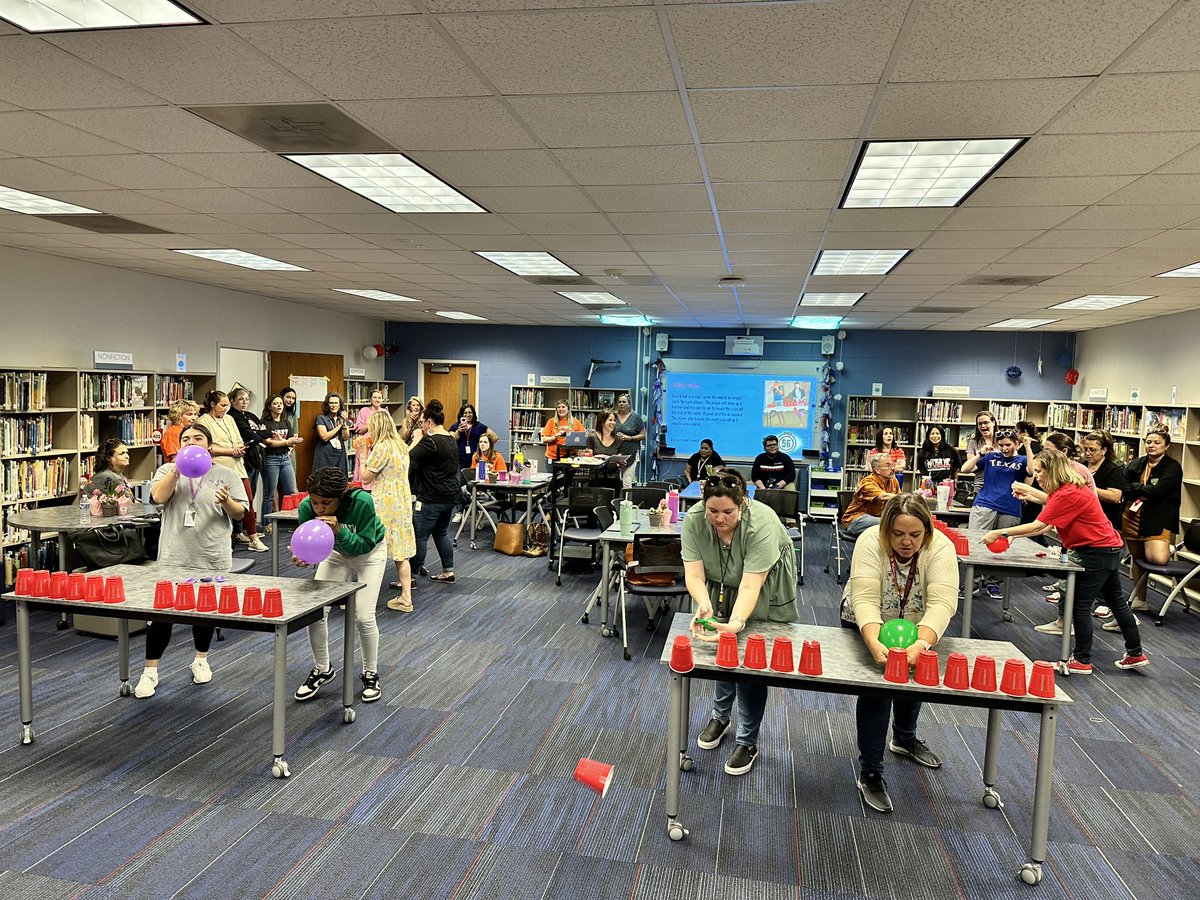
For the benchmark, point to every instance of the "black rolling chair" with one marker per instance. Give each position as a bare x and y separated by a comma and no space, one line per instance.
1177,571
667,484
656,575
841,542
644,497
578,523
787,506
485,505
616,570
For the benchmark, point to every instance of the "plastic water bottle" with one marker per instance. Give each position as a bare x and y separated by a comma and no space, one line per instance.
673,505
481,471
85,508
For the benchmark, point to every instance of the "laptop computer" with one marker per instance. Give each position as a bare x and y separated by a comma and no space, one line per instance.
575,440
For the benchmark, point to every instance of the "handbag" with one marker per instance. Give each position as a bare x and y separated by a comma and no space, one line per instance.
510,538
110,546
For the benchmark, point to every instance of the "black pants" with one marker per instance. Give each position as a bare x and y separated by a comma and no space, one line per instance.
1101,580
158,636
872,715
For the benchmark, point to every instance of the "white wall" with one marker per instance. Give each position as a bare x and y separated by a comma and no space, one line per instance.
56,311
1151,355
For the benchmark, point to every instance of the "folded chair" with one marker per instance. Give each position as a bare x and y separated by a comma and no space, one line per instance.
616,569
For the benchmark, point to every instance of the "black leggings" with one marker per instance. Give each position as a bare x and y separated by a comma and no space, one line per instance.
158,635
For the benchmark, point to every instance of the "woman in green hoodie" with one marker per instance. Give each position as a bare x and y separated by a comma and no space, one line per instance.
359,555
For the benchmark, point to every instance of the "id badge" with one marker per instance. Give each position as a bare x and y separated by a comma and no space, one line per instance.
416,506
335,443
189,517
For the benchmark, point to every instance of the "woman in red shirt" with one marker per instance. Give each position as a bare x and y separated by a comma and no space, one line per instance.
1074,510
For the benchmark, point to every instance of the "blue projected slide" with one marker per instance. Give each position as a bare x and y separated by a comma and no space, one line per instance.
738,410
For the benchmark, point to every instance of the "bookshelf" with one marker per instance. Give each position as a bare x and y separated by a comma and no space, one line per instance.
823,488
358,394
531,407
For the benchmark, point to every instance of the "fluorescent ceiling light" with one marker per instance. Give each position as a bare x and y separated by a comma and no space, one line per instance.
392,180
1192,271
84,15
1022,323
245,260
593,298
463,316
527,263
639,321
923,173
858,262
1099,301
36,205
377,295
816,323
835,299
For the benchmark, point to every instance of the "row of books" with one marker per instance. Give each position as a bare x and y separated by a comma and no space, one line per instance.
18,558
1008,413
1125,419
23,391
863,408
593,399
360,392
26,434
527,420
862,432
1060,416
528,397
940,410
1174,420
30,479
112,391
132,428
170,389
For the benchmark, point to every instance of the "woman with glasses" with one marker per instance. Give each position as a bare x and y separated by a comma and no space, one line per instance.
632,429
740,567
333,434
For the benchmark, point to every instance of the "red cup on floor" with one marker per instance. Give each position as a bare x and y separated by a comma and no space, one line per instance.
681,654
595,774
896,670
756,652
927,669
164,595
58,585
957,676
727,650
983,676
76,582
24,585
185,596
41,582
272,604
781,655
93,589
810,658
252,602
114,589
1041,679
1013,681
228,603
999,545
206,600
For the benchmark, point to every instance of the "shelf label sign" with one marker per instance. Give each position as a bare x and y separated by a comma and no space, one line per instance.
356,373
180,362
876,388
1098,395
556,379
112,359
1135,395
951,391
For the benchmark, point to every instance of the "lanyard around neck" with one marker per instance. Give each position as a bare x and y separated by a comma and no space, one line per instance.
908,584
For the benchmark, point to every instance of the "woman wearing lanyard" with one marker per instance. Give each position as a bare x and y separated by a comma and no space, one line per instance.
902,569
739,566
632,428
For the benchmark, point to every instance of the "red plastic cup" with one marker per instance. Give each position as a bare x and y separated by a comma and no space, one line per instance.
962,546
41,583
810,658
957,676
896,670
594,774
58,585
164,595
228,603
927,669
727,650
999,545
24,585
681,654
1013,681
206,600
756,652
185,596
93,589
252,602
76,583
781,655
114,589
983,676
1041,679
272,604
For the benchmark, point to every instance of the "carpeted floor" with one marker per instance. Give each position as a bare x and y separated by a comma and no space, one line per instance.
458,784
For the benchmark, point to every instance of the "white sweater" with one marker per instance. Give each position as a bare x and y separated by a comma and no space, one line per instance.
937,574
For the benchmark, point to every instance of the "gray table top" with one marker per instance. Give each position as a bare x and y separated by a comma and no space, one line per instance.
1021,554
67,518
846,663
540,485
284,515
642,528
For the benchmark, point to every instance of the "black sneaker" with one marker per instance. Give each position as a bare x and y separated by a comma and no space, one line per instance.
742,760
313,683
370,691
874,792
423,571
917,752
712,734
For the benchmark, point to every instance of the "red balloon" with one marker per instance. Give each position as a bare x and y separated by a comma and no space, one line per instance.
999,545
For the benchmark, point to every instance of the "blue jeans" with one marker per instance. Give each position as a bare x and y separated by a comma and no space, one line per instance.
861,524
278,473
872,714
1100,579
433,519
752,703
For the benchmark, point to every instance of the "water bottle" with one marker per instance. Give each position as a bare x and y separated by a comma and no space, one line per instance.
673,504
85,508
481,471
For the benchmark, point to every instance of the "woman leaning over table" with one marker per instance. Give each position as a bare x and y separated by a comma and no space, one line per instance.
197,521
386,470
227,450
739,566
1091,541
902,569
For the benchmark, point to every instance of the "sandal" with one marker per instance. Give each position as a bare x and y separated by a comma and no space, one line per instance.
443,578
395,585
398,604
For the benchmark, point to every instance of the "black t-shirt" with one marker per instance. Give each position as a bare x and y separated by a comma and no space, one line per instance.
939,463
714,460
773,471
433,469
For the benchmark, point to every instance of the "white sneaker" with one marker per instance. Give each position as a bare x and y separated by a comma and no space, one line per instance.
1113,626
456,518
201,671
1052,628
258,546
241,537
146,684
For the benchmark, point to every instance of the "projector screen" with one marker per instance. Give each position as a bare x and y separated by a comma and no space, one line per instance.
736,410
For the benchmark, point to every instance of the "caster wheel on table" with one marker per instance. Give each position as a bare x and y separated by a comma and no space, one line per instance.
676,831
605,631
347,715
1007,617
454,543
686,763
280,769
801,581
584,618
992,800
558,582
61,625
126,689
1031,873
627,656
1158,621
1062,669
473,547
27,734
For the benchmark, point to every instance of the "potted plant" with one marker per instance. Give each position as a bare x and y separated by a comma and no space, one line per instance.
659,514
111,499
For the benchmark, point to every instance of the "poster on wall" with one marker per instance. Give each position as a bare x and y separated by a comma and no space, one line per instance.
309,387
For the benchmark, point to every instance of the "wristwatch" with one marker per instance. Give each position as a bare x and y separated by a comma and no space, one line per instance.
1004,534
924,643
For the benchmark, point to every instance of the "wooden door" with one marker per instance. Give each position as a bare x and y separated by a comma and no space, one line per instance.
282,366
453,388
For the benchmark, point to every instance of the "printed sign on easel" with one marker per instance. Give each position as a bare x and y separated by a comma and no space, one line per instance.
309,387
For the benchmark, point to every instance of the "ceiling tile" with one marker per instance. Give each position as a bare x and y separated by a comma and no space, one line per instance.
1114,217
595,242
1077,191
765,222
778,195
664,223
497,168
1012,218
971,108
123,203
650,198
875,240
457,223
259,170
37,75
446,123
985,238
280,223
889,219
791,114
227,11
37,176
151,129
1134,103
1171,45
1097,154
32,134
213,200
778,161
632,165
532,199
1039,256
134,171
315,200
793,242
674,241
1159,189
564,223
605,120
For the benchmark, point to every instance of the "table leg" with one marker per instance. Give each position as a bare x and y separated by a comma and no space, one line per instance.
275,549
991,761
968,596
123,656
279,704
474,511
24,672
1004,604
675,736
348,658
605,565
1068,618
1031,872
62,567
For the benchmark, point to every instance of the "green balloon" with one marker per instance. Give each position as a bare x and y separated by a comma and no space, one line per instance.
898,633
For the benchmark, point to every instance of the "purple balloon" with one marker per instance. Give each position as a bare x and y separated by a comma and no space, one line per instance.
312,542
193,461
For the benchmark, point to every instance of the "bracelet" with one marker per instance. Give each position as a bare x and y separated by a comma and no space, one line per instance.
733,619
924,643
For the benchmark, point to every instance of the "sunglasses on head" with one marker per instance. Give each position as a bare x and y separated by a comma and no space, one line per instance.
717,478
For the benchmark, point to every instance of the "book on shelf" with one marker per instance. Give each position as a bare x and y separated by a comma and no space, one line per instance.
528,397
18,558
863,408
23,391
1008,413
173,388
1173,420
34,479
102,390
26,434
940,411
1123,419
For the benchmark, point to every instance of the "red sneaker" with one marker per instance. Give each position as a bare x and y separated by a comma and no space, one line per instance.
1128,661
1075,667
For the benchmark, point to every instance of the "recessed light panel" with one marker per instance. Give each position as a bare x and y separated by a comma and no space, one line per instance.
826,299
816,323
1192,271
592,298
85,15
639,321
462,316
1098,301
392,180
245,260
1022,323
923,173
36,205
858,262
378,295
527,263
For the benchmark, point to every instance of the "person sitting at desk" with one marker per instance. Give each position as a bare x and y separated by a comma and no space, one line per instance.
773,469
112,459
872,493
702,464
554,435
902,568
487,453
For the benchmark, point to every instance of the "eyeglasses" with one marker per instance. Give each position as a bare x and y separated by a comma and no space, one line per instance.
716,479
770,446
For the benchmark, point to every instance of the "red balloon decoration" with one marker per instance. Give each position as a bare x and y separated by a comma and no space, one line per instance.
1072,376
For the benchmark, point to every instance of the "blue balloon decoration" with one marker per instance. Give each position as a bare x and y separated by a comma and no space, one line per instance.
1013,372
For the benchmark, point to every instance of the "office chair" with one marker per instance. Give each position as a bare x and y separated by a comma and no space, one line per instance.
579,523
786,505
841,542
654,560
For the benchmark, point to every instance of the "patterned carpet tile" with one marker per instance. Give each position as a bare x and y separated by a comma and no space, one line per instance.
987,865
699,851
1151,876
393,793
542,814
508,873
829,855
617,824
346,862
882,842
519,731
452,674
765,842
19,886
424,866
330,785
399,734
458,802
591,878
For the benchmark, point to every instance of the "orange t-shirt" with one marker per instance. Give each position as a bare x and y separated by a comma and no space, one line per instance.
552,450
170,442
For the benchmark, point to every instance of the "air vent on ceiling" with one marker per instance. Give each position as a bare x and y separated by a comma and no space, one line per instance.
1006,280
559,280
629,280
295,128
105,224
